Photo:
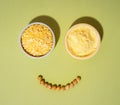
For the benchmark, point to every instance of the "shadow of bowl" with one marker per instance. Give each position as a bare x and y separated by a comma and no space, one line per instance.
92,21
52,23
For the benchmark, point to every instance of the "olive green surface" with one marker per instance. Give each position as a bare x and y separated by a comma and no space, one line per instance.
100,83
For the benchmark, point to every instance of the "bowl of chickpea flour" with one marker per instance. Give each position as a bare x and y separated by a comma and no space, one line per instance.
82,41
37,40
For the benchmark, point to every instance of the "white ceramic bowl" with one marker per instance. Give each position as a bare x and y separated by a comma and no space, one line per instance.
32,43
82,41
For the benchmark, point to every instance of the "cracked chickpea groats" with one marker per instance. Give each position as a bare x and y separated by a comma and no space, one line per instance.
37,40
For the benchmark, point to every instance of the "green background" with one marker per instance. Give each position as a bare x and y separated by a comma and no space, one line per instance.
100,84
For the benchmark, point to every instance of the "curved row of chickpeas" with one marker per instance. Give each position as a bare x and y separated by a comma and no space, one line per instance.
58,87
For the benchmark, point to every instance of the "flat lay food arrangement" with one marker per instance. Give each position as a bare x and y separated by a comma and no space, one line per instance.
82,41
59,52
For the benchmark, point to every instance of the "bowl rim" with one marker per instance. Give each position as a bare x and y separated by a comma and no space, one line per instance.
30,55
97,35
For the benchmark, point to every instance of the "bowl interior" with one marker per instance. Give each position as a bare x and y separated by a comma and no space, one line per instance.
79,41
37,40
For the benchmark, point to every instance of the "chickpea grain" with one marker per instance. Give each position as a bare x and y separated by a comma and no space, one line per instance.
42,82
67,86
71,85
54,87
75,81
78,78
58,87
62,87
49,86
40,77
46,84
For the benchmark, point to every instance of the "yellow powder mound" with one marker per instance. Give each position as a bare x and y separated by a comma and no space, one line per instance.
82,40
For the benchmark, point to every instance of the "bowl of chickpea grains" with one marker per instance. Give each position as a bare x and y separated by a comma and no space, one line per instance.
37,40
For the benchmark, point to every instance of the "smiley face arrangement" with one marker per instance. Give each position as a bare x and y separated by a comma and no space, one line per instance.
82,41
